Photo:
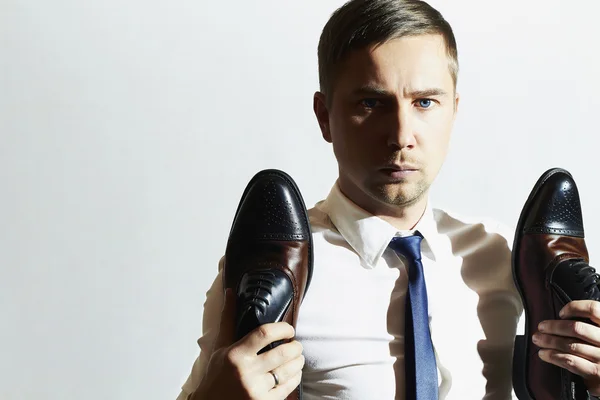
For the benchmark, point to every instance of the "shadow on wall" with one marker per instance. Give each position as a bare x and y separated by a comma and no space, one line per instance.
487,270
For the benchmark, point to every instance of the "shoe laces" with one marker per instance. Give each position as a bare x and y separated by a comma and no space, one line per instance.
258,289
588,277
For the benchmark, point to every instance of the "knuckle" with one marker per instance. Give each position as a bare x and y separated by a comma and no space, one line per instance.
263,332
595,371
297,348
570,360
595,308
231,357
289,327
236,360
573,347
578,328
284,351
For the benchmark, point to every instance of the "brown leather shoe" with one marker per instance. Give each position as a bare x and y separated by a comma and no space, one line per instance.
550,269
269,254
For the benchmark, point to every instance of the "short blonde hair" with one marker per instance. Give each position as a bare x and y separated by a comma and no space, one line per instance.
361,23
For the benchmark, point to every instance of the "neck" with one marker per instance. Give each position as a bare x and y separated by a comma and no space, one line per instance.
402,217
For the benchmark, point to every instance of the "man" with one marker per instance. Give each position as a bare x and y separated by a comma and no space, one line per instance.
387,103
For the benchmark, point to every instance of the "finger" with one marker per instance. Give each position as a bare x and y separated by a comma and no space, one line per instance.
582,309
570,362
266,334
226,335
567,345
287,371
281,354
573,329
285,388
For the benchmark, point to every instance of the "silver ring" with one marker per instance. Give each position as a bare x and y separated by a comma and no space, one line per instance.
275,377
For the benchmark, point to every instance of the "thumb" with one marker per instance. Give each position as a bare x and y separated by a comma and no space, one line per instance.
226,335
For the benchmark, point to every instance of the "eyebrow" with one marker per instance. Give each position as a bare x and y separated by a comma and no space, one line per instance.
370,90
428,93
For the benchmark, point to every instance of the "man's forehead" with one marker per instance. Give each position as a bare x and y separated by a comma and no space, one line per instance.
398,48
414,69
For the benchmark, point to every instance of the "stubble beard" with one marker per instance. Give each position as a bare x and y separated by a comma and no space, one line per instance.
403,195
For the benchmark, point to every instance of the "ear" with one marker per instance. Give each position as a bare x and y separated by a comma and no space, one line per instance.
322,114
456,101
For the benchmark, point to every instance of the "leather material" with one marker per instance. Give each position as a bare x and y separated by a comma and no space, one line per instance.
288,259
560,210
269,255
550,269
538,258
574,279
265,297
271,209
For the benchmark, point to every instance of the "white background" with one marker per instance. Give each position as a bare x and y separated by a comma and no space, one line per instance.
129,129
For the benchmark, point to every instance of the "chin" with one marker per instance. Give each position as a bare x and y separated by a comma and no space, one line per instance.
399,194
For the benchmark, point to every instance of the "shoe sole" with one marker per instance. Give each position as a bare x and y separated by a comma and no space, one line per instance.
521,350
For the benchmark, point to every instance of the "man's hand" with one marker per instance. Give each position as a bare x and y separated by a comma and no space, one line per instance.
235,371
573,345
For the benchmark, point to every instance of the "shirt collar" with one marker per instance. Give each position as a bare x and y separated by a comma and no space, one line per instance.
370,235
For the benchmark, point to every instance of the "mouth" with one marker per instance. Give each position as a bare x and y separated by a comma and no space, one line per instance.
399,167
398,171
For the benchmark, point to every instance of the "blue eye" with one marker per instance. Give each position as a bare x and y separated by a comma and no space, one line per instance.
370,103
425,103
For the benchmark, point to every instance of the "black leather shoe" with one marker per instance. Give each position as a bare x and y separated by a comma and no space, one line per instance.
269,254
550,268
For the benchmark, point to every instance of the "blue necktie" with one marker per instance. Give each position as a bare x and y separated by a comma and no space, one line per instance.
419,357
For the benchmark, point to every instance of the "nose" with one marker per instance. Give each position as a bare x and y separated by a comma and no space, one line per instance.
401,134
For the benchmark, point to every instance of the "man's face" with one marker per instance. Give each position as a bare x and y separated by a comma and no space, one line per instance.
390,119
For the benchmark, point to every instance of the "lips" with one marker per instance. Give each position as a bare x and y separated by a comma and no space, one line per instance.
398,173
399,167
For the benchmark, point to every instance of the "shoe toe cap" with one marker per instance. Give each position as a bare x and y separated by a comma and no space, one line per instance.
272,208
556,207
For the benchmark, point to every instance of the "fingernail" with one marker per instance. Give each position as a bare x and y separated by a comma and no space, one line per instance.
536,338
561,313
542,326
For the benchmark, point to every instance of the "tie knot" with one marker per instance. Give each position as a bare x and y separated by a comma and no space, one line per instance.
408,246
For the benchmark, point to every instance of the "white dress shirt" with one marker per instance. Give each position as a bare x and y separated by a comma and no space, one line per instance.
351,323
